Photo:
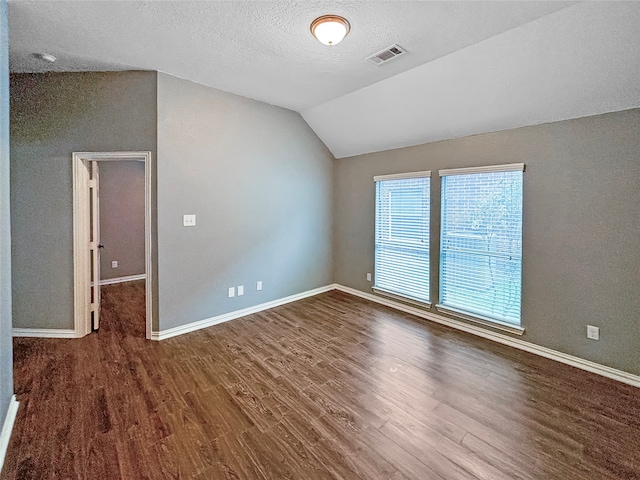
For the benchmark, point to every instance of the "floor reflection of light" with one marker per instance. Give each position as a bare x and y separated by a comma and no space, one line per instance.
423,368
396,345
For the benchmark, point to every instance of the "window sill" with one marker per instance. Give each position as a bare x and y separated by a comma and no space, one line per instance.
402,298
498,325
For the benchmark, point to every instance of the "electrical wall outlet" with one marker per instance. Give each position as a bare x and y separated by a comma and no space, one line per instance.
368,277
593,333
114,264
259,285
240,290
188,220
232,292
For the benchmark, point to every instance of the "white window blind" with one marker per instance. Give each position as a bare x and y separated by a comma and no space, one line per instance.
481,241
402,235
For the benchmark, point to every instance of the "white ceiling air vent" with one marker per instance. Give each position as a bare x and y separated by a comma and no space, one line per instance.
387,54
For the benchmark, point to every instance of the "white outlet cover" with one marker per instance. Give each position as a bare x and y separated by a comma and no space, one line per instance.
240,290
259,285
188,220
232,292
593,333
368,277
114,264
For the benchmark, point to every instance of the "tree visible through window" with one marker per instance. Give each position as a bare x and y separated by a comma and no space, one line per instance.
481,243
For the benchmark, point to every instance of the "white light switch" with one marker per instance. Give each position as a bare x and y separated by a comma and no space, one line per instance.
188,220
259,285
240,290
232,292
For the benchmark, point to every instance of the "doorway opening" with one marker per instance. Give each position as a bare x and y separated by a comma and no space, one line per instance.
86,237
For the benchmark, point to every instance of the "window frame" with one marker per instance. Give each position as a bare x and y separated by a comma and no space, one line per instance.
469,313
385,290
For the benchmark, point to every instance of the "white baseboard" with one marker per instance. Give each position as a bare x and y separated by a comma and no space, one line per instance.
44,332
208,322
130,278
587,365
7,428
577,362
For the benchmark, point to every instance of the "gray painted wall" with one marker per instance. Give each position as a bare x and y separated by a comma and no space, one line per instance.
53,115
121,218
260,183
269,199
6,355
581,225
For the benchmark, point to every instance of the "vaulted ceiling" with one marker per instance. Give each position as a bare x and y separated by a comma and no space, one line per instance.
471,67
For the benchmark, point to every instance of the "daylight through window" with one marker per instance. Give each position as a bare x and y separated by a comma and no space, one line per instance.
481,241
402,235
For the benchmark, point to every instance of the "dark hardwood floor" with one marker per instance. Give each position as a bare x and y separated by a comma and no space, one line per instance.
331,387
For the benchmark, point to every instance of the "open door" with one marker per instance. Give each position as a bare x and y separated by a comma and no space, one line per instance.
94,243
86,238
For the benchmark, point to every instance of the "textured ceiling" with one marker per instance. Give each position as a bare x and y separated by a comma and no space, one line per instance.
471,67
259,49
580,61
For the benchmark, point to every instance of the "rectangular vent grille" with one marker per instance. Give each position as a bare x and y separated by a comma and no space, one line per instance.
387,54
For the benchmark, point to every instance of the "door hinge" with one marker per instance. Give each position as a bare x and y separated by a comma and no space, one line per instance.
92,183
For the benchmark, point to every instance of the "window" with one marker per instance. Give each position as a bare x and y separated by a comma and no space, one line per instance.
402,235
481,242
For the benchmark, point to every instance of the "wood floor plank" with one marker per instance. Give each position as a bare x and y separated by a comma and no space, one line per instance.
332,387
349,443
423,444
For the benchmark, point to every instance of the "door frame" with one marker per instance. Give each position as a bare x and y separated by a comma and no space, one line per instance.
81,221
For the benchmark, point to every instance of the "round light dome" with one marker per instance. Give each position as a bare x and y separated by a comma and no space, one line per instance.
330,29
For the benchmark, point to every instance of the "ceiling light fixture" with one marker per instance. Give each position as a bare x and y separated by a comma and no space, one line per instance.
47,57
330,29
